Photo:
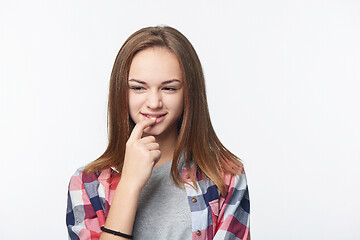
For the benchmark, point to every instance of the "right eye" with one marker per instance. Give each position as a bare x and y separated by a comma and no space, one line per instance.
137,88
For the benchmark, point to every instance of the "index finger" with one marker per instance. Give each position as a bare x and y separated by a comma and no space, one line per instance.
139,128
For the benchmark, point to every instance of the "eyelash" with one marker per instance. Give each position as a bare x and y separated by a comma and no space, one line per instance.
139,88
171,89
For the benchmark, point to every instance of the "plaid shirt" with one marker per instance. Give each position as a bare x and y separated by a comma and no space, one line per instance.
213,217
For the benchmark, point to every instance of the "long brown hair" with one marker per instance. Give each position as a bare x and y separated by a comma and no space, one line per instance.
197,140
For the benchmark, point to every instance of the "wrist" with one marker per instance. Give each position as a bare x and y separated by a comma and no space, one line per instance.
128,186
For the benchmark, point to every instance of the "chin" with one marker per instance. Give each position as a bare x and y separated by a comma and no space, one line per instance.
152,133
158,131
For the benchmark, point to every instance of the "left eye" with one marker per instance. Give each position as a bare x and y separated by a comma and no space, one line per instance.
171,89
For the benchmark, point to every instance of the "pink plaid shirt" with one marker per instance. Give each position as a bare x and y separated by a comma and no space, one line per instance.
213,217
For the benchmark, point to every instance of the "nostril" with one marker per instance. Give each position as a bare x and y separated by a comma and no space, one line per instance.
154,101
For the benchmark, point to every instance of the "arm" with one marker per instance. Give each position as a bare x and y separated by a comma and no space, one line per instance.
140,157
85,215
83,221
122,211
233,221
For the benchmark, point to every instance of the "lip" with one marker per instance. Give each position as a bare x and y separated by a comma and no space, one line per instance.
159,116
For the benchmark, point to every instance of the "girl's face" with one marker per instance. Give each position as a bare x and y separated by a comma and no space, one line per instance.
156,90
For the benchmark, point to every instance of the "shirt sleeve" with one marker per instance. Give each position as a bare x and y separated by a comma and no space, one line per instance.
233,221
82,220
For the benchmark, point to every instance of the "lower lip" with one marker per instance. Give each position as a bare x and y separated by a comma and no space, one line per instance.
158,120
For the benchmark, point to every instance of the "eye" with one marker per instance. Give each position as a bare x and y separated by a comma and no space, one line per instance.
137,88
169,89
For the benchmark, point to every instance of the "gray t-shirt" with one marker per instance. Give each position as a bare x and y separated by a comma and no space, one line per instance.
163,211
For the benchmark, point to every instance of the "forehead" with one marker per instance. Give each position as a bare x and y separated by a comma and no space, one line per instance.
155,63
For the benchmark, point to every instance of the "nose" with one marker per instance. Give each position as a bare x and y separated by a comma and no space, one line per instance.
154,100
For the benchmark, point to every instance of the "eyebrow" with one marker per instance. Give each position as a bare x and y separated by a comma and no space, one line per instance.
163,83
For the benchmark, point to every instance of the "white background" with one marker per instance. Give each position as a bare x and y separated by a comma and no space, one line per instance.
283,91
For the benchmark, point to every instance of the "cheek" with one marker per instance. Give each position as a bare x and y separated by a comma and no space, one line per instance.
134,101
134,105
178,104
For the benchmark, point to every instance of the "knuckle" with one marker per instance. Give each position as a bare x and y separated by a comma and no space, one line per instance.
145,152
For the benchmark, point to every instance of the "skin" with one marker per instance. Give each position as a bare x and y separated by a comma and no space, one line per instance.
155,88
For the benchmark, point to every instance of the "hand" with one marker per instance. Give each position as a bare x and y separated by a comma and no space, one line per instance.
141,155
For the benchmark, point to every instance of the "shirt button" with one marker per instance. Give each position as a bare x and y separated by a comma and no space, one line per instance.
198,232
193,200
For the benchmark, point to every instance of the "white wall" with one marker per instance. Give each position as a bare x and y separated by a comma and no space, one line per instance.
283,90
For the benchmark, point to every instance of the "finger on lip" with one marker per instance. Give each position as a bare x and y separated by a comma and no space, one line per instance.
147,123
140,127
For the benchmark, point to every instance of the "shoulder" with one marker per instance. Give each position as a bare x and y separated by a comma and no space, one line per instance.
94,189
238,180
76,181
80,178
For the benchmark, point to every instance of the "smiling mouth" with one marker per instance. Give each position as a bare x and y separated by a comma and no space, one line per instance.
153,116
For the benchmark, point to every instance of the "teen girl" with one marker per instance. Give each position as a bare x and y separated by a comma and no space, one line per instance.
164,174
